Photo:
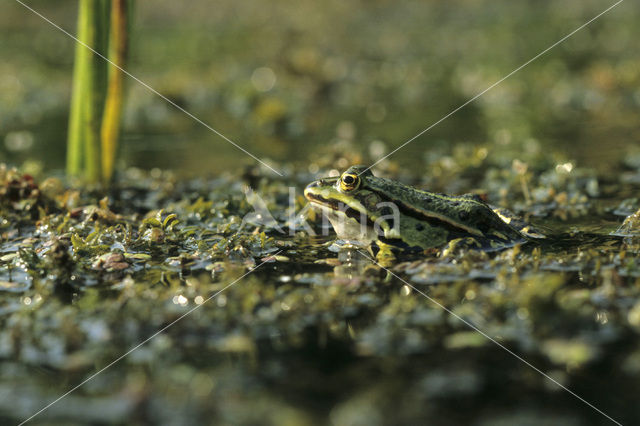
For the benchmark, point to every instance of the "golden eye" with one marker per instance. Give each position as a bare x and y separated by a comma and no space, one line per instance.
349,182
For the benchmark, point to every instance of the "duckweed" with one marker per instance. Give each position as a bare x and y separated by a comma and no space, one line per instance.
309,335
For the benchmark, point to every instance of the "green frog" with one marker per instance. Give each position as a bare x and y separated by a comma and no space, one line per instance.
389,216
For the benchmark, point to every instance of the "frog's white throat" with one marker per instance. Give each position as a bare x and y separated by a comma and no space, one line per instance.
348,228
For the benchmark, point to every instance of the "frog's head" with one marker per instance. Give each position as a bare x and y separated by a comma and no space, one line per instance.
328,192
348,202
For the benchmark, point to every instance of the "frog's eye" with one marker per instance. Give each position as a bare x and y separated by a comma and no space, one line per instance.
349,181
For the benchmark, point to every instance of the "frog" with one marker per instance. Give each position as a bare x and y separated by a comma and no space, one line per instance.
389,217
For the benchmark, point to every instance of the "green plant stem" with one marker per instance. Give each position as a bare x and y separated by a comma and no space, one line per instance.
80,78
113,103
89,88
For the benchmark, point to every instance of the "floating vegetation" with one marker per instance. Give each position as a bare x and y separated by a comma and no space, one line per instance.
630,226
88,275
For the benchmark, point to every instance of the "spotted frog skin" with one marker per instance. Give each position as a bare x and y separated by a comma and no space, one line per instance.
391,215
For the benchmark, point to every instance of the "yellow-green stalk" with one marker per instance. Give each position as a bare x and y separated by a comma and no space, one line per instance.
96,104
113,104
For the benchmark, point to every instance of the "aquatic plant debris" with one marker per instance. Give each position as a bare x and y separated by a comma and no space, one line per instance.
317,334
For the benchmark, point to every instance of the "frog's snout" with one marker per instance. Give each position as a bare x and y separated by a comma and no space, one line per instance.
309,188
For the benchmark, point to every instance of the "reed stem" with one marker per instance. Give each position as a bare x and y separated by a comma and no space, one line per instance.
113,103
96,100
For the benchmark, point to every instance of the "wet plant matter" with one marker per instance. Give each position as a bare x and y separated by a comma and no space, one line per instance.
316,334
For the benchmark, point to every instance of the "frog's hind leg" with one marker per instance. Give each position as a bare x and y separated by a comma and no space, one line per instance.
460,244
527,229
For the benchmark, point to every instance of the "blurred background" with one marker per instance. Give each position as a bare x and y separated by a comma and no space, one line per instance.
284,79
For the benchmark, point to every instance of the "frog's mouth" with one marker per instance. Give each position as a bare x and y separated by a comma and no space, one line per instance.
335,205
325,202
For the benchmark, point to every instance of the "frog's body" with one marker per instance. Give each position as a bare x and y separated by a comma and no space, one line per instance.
384,212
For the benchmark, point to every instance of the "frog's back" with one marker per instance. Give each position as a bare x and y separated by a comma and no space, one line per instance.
465,215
